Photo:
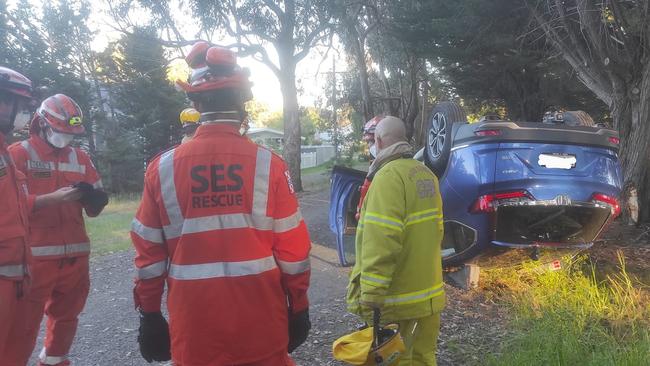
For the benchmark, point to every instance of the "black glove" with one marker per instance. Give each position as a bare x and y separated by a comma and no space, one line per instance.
299,326
153,337
95,199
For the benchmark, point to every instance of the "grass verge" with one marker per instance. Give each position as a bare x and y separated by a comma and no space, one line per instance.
109,232
568,317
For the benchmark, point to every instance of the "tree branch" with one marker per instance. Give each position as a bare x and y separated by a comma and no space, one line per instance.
589,76
309,41
274,8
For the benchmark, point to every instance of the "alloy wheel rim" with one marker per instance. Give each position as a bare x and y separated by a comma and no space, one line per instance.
437,135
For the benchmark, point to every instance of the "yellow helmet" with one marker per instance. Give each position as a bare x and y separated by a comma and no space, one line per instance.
357,348
190,116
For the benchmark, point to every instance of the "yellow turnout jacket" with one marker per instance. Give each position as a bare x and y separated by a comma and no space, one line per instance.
398,259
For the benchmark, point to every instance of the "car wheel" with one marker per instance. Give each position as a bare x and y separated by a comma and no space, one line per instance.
438,141
578,118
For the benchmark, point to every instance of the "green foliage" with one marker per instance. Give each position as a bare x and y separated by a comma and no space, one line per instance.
51,46
568,317
144,107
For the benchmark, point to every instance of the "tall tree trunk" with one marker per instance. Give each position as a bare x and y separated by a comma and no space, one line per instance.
291,114
413,105
630,109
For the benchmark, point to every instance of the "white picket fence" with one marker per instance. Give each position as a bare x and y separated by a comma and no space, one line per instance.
311,156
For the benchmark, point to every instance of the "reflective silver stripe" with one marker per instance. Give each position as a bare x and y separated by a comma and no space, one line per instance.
50,360
72,166
147,233
293,268
52,112
48,250
72,157
77,248
239,221
168,192
428,215
415,296
60,249
30,150
35,162
375,280
287,223
153,270
226,221
369,219
98,184
221,269
261,185
14,270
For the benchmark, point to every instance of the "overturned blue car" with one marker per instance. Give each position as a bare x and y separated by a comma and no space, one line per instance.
504,184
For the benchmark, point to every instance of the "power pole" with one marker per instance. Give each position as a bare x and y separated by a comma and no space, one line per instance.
336,133
335,122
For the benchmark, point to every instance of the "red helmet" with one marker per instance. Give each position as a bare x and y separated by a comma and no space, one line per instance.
62,114
215,68
369,128
15,83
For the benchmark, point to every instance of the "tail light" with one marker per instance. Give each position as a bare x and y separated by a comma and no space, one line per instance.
488,202
614,140
608,201
487,132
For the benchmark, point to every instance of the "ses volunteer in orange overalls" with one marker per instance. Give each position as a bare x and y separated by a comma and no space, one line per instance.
58,241
15,94
219,224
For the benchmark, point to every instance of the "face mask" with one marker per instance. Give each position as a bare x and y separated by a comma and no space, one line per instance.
21,120
57,139
373,150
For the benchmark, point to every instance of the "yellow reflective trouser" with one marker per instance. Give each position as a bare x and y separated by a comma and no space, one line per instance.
420,338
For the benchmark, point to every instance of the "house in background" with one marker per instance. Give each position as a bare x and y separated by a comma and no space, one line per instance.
309,155
266,137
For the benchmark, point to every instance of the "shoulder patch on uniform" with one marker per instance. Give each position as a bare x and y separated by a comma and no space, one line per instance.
426,188
289,181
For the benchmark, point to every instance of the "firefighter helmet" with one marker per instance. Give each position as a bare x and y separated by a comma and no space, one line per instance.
215,68
370,127
62,114
15,83
190,117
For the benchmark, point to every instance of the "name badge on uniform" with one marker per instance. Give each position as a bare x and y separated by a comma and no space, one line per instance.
40,169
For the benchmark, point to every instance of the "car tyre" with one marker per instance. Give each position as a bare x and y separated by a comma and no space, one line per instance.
439,135
578,118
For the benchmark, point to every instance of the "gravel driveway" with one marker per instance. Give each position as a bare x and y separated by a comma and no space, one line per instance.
108,325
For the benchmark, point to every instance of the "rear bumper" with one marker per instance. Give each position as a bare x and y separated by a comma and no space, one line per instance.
551,223
543,245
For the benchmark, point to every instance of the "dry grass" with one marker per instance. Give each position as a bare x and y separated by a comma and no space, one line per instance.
568,317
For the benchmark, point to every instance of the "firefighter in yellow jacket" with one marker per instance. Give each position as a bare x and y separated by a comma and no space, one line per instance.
398,261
